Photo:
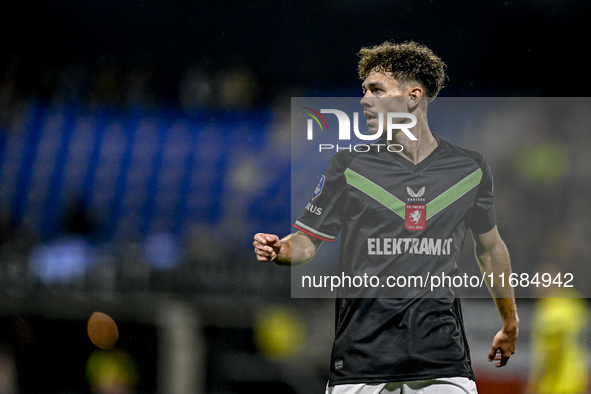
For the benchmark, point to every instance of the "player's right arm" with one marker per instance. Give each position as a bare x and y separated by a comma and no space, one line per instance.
493,258
314,225
295,249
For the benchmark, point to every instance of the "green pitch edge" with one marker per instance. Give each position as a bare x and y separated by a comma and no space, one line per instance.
397,206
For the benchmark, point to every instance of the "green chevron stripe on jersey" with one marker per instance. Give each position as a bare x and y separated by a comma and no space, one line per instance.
453,193
375,192
398,207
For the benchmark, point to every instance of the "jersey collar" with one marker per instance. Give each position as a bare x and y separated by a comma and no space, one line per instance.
398,158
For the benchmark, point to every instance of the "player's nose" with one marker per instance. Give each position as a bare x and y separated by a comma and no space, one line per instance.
367,101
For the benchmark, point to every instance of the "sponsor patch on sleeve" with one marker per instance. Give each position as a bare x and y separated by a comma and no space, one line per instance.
319,187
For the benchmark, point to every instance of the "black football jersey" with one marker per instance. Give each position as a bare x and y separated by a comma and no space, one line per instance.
400,219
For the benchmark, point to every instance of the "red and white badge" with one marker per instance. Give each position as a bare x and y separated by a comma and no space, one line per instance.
415,217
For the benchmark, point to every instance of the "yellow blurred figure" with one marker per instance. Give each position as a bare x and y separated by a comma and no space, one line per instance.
111,372
559,351
544,162
279,332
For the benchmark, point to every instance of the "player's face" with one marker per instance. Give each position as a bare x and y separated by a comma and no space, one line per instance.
380,90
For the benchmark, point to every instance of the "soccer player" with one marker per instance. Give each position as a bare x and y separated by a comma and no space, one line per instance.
420,201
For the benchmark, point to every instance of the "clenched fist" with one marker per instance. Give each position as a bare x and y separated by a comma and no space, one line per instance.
266,246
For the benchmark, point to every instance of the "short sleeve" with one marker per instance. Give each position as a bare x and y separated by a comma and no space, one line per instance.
321,217
483,217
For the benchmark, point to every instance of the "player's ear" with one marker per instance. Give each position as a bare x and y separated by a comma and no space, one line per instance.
416,95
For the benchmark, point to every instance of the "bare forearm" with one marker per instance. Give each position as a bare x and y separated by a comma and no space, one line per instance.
496,262
508,311
493,259
295,249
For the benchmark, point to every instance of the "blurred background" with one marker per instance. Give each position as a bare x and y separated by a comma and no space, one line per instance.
143,143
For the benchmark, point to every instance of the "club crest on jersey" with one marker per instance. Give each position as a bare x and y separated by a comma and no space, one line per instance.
415,217
319,187
418,196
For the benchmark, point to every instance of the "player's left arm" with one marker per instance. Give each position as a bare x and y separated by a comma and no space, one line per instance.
493,257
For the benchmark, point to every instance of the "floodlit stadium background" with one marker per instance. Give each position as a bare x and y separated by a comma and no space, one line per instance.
143,143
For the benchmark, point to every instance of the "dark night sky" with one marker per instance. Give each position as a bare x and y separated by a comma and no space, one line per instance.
492,48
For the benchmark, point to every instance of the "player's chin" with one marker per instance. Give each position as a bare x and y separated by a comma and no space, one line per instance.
372,130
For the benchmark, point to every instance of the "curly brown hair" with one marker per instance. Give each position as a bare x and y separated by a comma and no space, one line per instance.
408,62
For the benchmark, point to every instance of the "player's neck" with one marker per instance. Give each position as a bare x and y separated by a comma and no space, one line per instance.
416,151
